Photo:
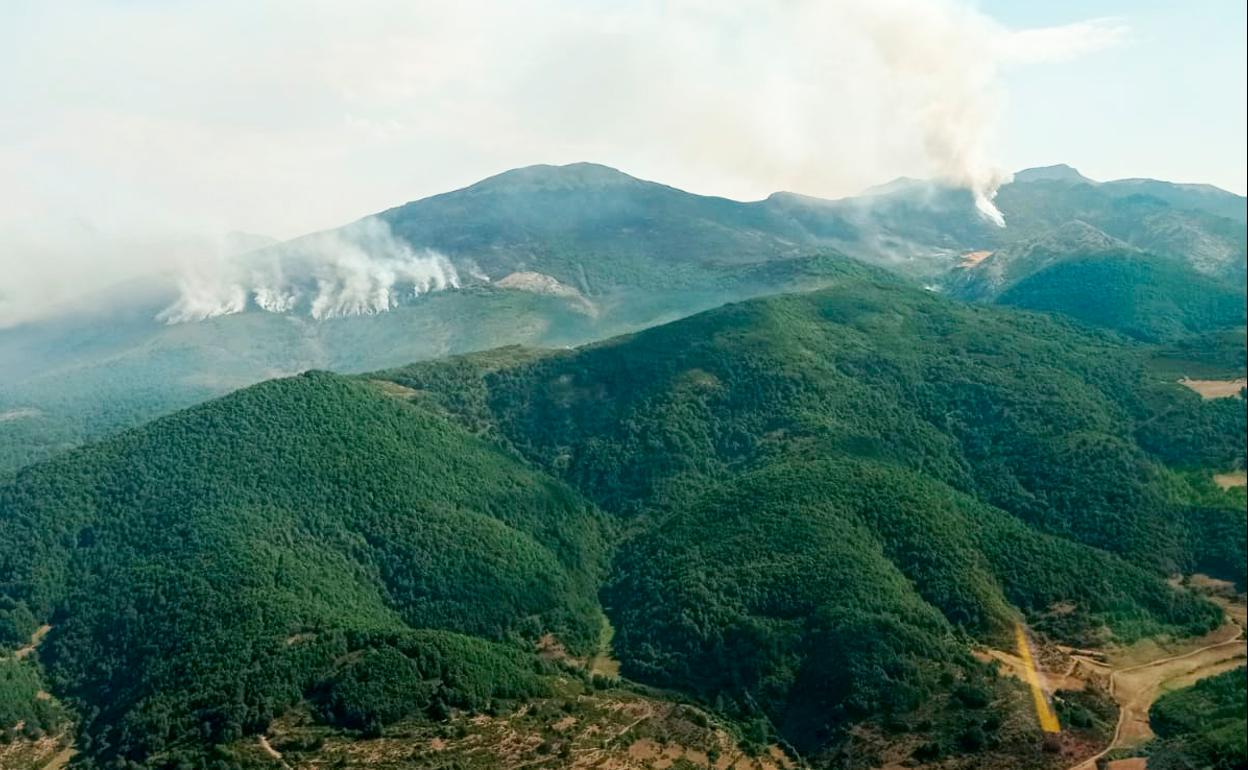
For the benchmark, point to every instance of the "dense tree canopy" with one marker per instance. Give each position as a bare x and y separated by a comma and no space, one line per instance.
800,510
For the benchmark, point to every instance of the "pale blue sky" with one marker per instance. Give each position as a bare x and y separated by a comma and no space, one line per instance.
1169,102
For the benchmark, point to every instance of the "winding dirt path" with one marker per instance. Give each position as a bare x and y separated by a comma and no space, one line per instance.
1136,687
272,752
35,640
61,759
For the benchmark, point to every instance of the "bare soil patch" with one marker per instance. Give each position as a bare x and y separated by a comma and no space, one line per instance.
645,750
35,640
51,752
20,413
973,258
1141,673
61,758
1073,676
396,390
1215,388
1137,688
268,748
1231,480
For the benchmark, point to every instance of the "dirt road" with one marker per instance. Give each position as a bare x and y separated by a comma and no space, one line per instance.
1136,687
61,759
35,640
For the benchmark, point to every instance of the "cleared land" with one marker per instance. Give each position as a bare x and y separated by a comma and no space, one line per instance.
973,258
606,730
1215,388
35,640
1230,480
51,752
1135,676
604,663
1135,684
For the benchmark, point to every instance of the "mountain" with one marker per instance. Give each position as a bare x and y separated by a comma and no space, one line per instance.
923,228
594,228
1059,172
986,277
1200,225
797,513
544,255
1081,272
1152,299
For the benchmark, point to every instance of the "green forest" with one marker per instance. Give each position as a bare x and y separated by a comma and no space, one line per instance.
1202,726
798,511
1146,297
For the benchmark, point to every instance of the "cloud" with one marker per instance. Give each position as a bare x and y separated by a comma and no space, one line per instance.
1062,43
289,116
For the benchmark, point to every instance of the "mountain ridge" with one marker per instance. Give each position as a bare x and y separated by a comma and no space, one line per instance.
423,279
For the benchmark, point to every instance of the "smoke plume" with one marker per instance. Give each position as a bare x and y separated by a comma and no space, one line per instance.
293,116
358,270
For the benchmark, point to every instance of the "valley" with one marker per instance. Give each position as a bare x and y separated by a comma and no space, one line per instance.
787,511
676,385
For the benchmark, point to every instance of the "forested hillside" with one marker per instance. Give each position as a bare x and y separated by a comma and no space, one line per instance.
1085,274
1202,726
799,511
563,255
205,571
770,455
1150,299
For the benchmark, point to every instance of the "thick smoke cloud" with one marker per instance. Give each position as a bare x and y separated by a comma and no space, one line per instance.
359,270
293,116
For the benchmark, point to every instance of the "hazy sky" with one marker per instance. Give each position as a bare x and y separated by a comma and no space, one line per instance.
1168,103
133,130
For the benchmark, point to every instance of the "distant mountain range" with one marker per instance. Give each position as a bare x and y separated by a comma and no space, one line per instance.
559,255
596,230
802,528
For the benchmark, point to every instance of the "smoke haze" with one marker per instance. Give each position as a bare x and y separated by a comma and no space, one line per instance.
294,116
358,270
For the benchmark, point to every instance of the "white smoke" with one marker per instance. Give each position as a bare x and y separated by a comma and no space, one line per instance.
941,62
359,270
290,116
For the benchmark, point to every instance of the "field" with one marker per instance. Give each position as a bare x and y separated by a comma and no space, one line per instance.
1209,389
1134,676
615,729
1231,480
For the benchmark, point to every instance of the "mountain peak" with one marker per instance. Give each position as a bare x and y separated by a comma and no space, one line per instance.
900,184
1056,173
550,177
